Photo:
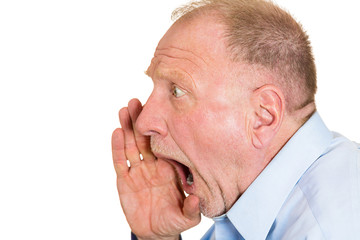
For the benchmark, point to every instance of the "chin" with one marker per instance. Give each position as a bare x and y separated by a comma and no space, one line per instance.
211,210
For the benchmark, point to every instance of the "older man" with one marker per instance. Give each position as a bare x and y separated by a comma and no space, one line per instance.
232,122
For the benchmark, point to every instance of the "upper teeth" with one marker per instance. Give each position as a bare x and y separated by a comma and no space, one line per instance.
190,179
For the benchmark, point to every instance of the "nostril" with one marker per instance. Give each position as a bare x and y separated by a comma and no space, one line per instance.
151,133
150,126
144,125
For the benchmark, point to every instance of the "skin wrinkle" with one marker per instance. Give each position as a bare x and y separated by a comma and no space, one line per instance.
178,58
191,165
226,130
187,52
161,148
183,128
153,74
174,74
275,40
184,50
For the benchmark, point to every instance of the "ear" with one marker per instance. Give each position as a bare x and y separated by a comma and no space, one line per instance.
269,106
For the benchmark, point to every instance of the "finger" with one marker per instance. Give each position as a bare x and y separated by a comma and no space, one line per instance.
191,209
142,141
131,150
134,108
118,152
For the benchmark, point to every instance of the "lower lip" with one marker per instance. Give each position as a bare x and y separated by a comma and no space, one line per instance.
189,189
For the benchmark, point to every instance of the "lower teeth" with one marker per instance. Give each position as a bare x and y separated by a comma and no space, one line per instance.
190,179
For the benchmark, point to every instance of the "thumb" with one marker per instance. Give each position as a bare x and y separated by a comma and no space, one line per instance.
191,209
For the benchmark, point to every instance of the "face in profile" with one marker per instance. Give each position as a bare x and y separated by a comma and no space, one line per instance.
196,112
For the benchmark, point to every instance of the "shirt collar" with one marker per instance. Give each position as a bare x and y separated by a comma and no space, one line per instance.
255,211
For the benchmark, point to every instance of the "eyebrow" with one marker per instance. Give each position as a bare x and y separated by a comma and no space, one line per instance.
171,75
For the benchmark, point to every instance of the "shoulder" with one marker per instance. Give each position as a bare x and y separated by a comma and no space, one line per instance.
331,187
338,166
334,174
325,203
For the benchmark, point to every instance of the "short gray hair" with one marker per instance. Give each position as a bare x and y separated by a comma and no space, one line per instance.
261,33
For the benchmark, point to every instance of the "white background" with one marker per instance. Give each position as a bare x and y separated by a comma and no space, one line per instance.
67,67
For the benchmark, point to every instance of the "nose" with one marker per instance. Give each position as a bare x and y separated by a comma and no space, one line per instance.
151,120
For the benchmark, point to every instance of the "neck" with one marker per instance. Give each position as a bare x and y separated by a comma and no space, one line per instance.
292,122
290,125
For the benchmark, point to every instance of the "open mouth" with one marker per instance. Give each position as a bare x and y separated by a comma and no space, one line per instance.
188,174
190,179
185,175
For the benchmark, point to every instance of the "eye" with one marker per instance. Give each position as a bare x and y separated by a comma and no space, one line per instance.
177,92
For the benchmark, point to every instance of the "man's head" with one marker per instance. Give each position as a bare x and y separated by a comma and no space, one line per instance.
259,32
231,85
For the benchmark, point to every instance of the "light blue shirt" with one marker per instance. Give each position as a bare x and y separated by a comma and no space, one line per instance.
310,190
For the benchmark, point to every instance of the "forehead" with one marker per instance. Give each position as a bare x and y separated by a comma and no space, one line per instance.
202,34
195,45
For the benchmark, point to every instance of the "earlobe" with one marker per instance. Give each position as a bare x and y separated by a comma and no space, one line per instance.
268,103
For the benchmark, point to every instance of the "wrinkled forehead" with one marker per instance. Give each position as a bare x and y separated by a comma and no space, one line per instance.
202,35
195,47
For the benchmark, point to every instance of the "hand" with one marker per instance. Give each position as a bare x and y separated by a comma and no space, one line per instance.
150,192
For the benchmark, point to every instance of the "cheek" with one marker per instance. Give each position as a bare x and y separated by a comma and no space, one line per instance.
220,133
210,136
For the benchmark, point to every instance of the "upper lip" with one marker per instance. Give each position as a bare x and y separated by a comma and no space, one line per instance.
159,155
169,159
165,157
